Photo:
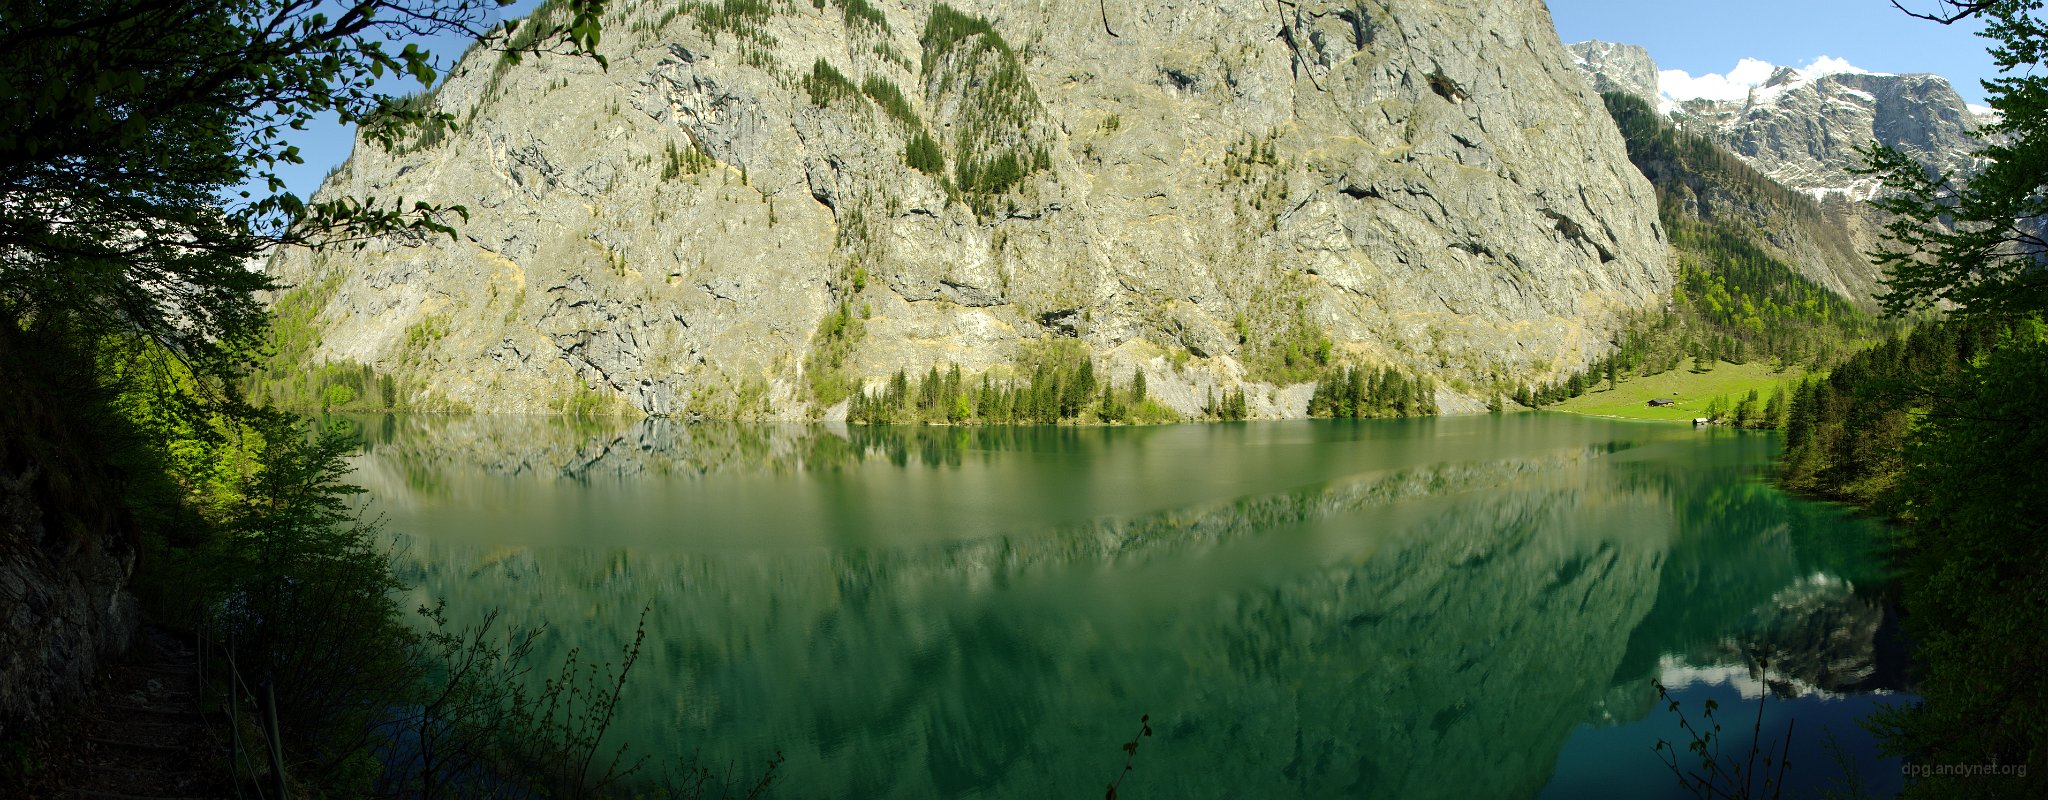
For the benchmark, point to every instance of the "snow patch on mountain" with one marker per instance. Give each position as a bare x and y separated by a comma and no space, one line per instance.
1750,74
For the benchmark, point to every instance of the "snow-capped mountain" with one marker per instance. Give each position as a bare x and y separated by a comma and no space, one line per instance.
1803,130
1617,68
1802,127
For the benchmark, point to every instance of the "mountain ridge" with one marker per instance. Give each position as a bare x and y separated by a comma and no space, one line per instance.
1802,127
743,215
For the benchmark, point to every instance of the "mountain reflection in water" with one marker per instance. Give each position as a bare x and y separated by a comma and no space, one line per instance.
1421,608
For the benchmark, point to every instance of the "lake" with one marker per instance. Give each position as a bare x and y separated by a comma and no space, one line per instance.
1456,607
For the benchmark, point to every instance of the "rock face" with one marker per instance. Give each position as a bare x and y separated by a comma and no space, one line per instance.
1700,180
67,548
728,219
1803,130
1618,68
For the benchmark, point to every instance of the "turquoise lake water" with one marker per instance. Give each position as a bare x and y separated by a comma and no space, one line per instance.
1458,607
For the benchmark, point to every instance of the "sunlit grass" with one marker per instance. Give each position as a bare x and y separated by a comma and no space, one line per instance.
1693,391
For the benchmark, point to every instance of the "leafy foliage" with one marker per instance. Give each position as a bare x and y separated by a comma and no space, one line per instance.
1974,562
948,26
679,162
1231,406
1279,341
923,154
1978,245
1731,290
1720,774
305,591
290,379
1676,160
986,178
825,366
858,13
1732,286
1735,301
1957,445
1846,433
1130,755
742,18
127,120
887,95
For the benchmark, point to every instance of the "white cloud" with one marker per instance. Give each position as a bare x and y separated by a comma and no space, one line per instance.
1679,85
1828,65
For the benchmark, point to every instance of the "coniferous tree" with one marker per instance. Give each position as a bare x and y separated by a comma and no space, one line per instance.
1969,476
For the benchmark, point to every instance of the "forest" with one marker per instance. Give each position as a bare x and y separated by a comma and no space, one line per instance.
1940,430
151,395
129,326
1736,301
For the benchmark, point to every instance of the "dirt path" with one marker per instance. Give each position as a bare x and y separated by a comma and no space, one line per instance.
144,735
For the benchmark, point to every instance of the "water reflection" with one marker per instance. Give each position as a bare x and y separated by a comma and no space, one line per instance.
1418,609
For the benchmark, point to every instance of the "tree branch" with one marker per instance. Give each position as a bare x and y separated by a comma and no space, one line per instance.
1961,10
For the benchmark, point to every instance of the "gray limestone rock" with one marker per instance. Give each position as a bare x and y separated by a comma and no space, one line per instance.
1803,131
1617,68
1430,185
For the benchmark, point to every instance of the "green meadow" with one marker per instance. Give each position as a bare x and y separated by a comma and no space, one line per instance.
1693,391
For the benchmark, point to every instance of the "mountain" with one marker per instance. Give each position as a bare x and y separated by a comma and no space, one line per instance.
1800,130
1764,271
1699,180
761,206
1803,129
1624,68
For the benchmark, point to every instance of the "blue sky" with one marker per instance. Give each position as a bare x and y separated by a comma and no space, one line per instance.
325,143
1702,37
1699,37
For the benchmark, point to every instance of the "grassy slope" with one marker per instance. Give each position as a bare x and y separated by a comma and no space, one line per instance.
1694,391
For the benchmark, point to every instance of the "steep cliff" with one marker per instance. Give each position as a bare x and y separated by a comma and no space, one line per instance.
760,206
1768,191
67,541
1616,67
1699,180
1803,129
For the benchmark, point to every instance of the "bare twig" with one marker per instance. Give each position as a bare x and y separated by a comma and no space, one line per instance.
1957,10
1130,754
